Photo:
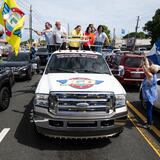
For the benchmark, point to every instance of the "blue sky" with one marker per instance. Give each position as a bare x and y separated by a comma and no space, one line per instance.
113,13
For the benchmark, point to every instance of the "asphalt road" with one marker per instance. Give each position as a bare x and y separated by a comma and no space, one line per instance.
21,143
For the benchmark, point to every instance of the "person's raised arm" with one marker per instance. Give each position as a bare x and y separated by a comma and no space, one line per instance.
146,62
148,74
38,33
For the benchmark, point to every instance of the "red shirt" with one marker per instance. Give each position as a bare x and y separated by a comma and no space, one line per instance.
91,38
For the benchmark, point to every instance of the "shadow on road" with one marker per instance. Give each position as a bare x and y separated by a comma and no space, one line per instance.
131,88
142,110
25,135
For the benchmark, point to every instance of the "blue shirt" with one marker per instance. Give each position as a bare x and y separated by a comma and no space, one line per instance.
149,89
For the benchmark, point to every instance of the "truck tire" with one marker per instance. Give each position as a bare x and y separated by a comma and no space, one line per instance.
4,98
37,71
37,133
29,74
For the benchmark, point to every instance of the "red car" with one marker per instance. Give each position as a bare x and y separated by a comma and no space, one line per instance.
127,68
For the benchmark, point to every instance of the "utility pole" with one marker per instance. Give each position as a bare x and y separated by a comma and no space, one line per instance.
136,30
30,25
68,28
114,37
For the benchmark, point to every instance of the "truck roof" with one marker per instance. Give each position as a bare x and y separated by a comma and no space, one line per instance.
76,51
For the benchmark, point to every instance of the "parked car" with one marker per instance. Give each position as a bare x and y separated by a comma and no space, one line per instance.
44,55
21,65
76,98
6,81
127,68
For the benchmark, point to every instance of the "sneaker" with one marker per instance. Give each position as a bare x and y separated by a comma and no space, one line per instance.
147,126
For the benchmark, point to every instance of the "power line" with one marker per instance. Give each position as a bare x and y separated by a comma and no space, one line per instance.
24,3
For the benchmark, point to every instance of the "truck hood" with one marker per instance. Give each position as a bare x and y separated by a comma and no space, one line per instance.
79,82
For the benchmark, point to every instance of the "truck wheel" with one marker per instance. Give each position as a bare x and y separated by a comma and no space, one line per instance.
4,98
29,75
37,71
37,133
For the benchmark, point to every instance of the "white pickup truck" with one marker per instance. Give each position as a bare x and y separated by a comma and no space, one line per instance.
78,97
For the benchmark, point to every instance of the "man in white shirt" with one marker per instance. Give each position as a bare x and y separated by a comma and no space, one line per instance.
59,34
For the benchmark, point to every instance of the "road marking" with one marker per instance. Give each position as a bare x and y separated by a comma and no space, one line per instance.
4,133
150,142
143,118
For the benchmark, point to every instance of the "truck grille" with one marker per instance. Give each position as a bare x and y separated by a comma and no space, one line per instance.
81,103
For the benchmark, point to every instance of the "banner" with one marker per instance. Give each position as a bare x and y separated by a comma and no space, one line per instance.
12,18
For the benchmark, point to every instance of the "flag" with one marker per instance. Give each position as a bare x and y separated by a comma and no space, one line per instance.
12,18
154,54
123,31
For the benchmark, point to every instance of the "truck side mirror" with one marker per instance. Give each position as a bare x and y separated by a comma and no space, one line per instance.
121,70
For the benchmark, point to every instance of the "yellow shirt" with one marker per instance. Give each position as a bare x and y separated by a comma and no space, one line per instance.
75,44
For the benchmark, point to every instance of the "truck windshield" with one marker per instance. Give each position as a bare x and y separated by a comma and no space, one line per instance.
19,57
77,62
133,62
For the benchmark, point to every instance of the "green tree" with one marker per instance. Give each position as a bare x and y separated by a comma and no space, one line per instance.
152,27
140,35
107,31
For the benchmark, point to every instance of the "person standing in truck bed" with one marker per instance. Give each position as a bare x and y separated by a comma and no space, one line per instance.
59,34
48,34
76,35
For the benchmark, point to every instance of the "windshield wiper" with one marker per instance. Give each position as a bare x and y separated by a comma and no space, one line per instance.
90,71
59,69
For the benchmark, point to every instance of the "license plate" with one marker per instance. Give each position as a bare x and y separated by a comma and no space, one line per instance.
136,75
15,73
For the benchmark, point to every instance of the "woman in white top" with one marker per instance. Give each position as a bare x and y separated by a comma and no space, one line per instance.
100,38
48,34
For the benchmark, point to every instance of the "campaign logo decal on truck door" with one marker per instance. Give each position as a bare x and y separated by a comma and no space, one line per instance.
79,83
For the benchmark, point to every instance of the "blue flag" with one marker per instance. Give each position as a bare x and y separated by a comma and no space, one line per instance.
123,31
154,54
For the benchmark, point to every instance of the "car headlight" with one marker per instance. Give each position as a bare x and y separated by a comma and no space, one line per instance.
41,100
120,100
23,68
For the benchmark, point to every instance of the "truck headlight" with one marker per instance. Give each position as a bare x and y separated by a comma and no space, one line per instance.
41,100
53,101
120,100
23,68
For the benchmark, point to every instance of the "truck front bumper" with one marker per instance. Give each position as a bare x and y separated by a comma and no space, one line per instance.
80,128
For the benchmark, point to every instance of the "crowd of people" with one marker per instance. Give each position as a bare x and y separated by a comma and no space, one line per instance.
56,37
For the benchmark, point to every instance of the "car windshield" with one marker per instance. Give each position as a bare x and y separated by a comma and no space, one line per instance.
19,57
42,50
133,62
77,63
